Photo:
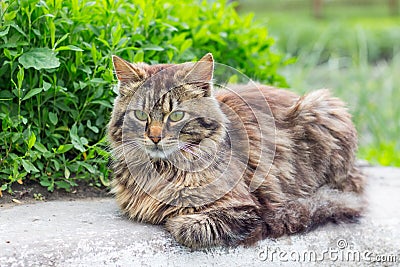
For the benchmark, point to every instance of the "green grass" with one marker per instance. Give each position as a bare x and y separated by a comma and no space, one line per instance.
354,51
372,94
342,32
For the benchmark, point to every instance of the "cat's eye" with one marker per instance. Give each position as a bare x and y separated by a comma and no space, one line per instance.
141,115
176,116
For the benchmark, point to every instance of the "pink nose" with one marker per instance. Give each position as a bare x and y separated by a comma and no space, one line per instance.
154,133
155,139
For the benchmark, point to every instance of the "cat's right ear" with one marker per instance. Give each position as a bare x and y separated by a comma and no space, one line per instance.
127,72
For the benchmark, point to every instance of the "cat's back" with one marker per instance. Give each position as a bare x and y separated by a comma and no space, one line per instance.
243,98
312,135
286,108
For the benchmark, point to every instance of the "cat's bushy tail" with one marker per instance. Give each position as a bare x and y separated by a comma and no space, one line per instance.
329,204
303,214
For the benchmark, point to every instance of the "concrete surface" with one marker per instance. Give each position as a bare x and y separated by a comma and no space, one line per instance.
93,233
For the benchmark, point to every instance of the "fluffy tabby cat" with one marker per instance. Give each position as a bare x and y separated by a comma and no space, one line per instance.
186,154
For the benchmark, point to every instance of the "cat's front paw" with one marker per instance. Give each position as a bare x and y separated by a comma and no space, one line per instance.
228,227
194,231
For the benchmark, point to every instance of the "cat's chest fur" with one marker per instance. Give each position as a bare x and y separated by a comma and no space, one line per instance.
153,193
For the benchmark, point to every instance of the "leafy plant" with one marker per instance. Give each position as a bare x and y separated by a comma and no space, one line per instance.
56,76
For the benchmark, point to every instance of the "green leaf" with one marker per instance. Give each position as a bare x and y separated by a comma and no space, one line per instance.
52,27
56,164
152,47
6,95
39,58
7,53
45,182
186,44
48,155
16,137
84,141
62,128
20,77
53,118
93,128
10,15
28,166
139,57
63,185
32,140
32,92
20,30
75,139
104,180
69,48
4,32
41,148
64,148
102,102
61,39
46,86
82,85
87,166
67,173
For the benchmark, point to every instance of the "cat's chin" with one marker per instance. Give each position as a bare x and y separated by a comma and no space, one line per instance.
157,153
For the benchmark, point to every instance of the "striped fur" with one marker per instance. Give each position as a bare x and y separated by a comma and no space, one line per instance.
224,174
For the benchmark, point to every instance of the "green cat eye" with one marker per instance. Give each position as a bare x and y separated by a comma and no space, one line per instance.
141,115
176,116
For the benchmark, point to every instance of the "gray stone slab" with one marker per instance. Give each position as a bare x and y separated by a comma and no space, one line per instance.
93,233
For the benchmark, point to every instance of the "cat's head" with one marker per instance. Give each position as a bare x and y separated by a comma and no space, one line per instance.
166,109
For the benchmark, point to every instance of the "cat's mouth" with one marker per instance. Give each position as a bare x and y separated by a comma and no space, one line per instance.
158,152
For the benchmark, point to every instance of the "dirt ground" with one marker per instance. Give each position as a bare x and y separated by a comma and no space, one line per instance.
32,192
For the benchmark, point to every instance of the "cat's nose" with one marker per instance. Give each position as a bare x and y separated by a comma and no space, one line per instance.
155,139
155,133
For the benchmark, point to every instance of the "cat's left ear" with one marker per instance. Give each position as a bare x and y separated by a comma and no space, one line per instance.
202,72
127,72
